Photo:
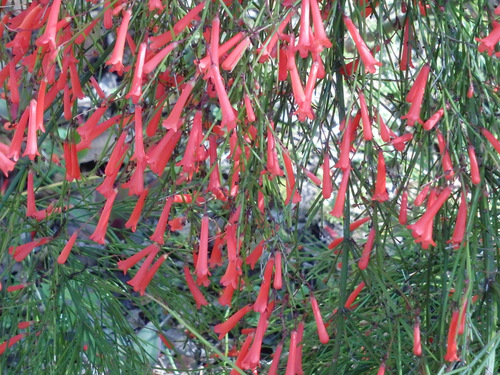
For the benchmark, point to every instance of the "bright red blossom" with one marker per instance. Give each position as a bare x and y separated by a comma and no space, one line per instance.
363,50
381,194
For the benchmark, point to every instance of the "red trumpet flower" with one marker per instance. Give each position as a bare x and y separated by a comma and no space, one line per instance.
363,50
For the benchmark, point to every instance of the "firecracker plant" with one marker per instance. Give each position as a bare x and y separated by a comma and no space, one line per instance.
243,187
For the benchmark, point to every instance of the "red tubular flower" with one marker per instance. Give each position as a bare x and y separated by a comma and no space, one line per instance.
419,200
445,155
406,53
126,264
278,279
367,124
474,168
470,90
363,50
31,144
116,59
327,179
14,88
139,155
97,88
75,165
358,223
100,231
76,87
159,233
463,315
282,64
40,105
227,295
6,165
24,325
160,154
451,351
141,278
136,181
291,189
67,103
297,88
155,4
243,353
49,36
426,238
417,346
304,111
323,335
68,158
269,49
344,162
153,62
488,43
320,38
10,342
399,143
22,251
381,194
255,255
491,138
252,358
365,256
193,146
273,369
415,97
420,226
272,155
202,262
434,119
30,196
292,354
67,248
235,56
136,87
214,184
298,358
216,254
91,123
193,288
305,43
312,177
261,301
385,133
403,211
233,242
460,225
339,202
85,33
116,157
381,369
228,117
204,63
136,213
223,328
143,284
15,145
336,242
160,40
248,107
352,297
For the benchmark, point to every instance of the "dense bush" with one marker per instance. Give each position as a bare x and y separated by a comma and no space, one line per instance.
305,187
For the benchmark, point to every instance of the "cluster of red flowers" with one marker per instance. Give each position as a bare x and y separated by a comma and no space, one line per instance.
51,57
